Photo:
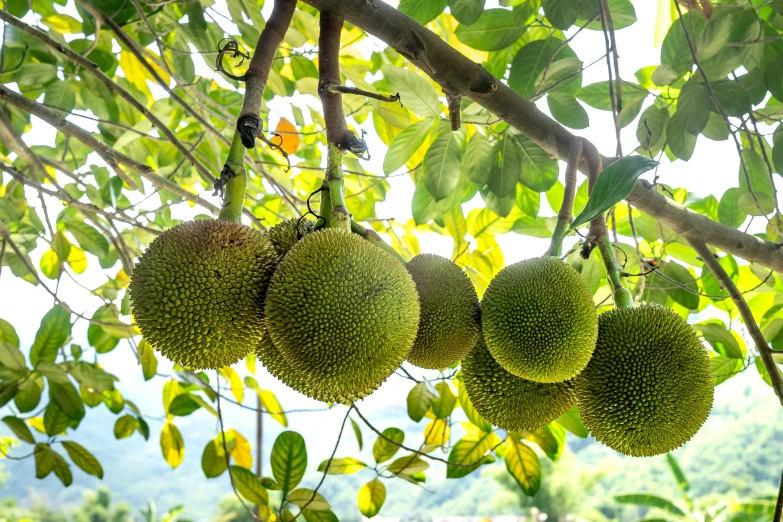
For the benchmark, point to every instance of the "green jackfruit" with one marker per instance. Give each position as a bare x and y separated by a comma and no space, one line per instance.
450,320
648,388
285,234
508,401
197,292
278,366
539,321
342,312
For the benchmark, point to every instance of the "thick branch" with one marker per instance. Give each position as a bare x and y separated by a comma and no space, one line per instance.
569,193
462,76
249,123
728,285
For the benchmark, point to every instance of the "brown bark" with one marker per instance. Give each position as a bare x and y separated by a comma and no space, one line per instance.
249,123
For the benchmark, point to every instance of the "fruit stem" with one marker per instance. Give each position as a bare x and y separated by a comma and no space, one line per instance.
234,199
564,216
373,237
599,237
339,218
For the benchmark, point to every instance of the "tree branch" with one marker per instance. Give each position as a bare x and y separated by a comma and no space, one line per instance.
765,352
249,123
464,77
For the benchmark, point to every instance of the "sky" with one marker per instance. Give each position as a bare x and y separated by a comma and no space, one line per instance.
712,169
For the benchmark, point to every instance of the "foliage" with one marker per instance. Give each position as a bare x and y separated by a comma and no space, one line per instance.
157,131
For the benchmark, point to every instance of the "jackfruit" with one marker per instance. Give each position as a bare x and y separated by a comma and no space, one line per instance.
450,320
648,388
539,321
286,233
508,401
197,292
276,364
342,312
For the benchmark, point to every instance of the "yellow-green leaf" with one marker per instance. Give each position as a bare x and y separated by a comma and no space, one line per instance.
522,464
172,445
371,498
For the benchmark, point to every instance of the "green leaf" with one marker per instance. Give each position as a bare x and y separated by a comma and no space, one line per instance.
55,420
371,498
443,405
653,121
35,74
343,466
44,462
551,438
596,95
8,334
724,368
755,178
664,75
679,476
680,142
149,363
388,445
183,405
124,427
530,61
612,186
694,106
405,144
674,51
561,13
407,466
423,11
441,165
213,458
522,464
495,29
83,459
358,432
713,38
469,452
683,288
416,92
419,400
67,398
506,167
571,421
477,160
249,485
28,395
12,358
51,335
89,238
529,201
715,130
466,11
19,428
650,501
539,170
721,340
733,99
308,500
763,372
61,94
289,459
567,110
172,445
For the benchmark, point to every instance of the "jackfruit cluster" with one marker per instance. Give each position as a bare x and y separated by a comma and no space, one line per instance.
450,319
508,401
342,312
197,292
648,388
539,320
286,233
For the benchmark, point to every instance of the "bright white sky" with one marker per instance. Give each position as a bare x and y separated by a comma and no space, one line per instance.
713,169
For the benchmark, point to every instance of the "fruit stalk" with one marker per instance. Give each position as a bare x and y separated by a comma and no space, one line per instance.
340,218
371,236
234,198
564,216
598,237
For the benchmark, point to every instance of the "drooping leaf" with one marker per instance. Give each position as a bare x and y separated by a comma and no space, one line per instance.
371,498
388,445
522,464
83,459
289,459
613,185
249,485
419,400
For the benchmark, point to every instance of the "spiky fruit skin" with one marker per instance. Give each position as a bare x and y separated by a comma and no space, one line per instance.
508,401
450,319
197,292
342,312
539,321
278,366
285,234
648,388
